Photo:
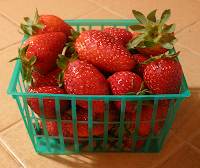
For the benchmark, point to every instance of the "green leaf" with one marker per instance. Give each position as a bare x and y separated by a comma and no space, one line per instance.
169,29
75,33
14,59
170,39
27,77
141,18
37,17
83,29
60,77
165,17
28,20
130,93
61,64
152,17
165,44
72,38
74,56
138,28
38,26
32,60
149,43
26,29
35,69
135,41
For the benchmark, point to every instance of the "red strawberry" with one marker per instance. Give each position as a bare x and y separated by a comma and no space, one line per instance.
48,104
126,82
103,51
46,48
151,37
139,68
81,78
163,76
50,79
122,35
52,128
146,115
138,145
98,129
128,134
46,24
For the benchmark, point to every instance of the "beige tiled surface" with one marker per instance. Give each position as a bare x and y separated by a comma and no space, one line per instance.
182,145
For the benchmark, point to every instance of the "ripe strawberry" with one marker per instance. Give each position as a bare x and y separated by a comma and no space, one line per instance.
81,78
98,129
52,129
46,24
103,51
50,79
122,35
138,145
48,104
146,115
139,68
152,37
126,82
39,54
163,76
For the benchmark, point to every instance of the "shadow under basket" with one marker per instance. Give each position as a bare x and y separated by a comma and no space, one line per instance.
108,142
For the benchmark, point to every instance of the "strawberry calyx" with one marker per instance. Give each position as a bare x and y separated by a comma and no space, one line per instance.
127,130
27,65
152,32
70,46
155,58
62,63
143,91
31,26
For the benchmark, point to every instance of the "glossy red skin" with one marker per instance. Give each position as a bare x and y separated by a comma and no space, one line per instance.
103,51
139,58
163,76
98,129
53,24
52,129
48,104
46,48
122,35
81,78
146,115
49,79
122,83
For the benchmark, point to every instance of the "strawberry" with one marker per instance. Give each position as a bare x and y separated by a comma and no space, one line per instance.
122,35
164,75
139,68
82,78
48,104
126,82
128,134
146,115
50,79
52,128
46,24
98,129
128,142
103,51
152,37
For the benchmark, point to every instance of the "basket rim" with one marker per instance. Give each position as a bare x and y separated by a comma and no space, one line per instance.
93,22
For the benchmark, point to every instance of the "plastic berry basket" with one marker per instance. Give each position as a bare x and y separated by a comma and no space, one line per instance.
108,142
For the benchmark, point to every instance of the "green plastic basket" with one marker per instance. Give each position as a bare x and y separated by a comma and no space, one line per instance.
44,143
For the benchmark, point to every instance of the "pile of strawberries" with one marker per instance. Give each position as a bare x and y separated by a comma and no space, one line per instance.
114,61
